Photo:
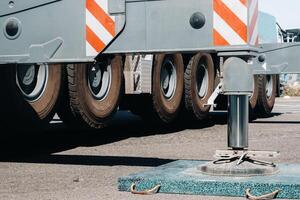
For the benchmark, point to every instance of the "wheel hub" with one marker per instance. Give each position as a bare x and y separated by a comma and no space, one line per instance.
168,79
202,80
99,80
32,80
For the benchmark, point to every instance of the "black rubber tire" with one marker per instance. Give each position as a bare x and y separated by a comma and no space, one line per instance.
195,104
253,99
80,109
31,114
167,109
156,108
265,104
64,110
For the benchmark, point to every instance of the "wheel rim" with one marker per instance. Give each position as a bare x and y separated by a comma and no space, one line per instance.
32,80
99,80
168,78
202,79
269,86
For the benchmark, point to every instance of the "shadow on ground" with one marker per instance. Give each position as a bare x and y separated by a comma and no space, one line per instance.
270,120
40,146
92,160
277,122
19,143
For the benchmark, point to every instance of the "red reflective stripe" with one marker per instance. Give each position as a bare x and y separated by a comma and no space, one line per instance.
231,19
254,21
244,2
93,40
219,40
101,16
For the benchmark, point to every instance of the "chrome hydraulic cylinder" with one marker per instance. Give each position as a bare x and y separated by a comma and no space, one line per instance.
238,116
237,85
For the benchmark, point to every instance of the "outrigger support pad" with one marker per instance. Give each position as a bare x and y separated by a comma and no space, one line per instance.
238,161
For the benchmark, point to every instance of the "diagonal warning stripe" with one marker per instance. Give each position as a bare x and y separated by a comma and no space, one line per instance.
219,39
244,2
226,31
101,32
253,20
101,16
100,26
235,22
93,40
238,8
104,5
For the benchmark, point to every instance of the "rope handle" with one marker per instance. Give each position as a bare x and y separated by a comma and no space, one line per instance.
271,195
151,191
145,192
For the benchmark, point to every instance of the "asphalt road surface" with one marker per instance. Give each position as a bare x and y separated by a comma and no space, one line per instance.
85,165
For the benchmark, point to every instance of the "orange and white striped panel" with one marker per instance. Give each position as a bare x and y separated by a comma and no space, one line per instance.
100,26
253,22
231,25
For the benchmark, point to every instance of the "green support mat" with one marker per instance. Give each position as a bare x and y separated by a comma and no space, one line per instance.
183,177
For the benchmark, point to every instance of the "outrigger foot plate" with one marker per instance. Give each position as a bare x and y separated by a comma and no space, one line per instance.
241,163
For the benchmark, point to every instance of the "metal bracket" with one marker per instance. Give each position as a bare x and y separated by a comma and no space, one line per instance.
19,6
116,7
241,163
214,95
237,69
242,156
220,154
44,51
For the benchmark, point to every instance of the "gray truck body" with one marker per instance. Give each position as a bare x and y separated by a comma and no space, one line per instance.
54,32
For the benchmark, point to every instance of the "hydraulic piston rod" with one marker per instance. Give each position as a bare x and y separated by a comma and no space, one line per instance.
238,121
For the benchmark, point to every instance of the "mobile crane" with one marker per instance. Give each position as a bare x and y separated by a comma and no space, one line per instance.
70,56
49,65
72,59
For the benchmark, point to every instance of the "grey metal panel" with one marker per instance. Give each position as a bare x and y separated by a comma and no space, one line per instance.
267,28
281,58
237,77
163,26
42,26
169,26
62,19
116,7
8,6
54,31
134,33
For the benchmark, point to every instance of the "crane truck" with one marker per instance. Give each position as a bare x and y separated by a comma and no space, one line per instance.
87,59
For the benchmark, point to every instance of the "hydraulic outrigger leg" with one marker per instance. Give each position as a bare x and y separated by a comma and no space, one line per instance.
238,160
238,122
